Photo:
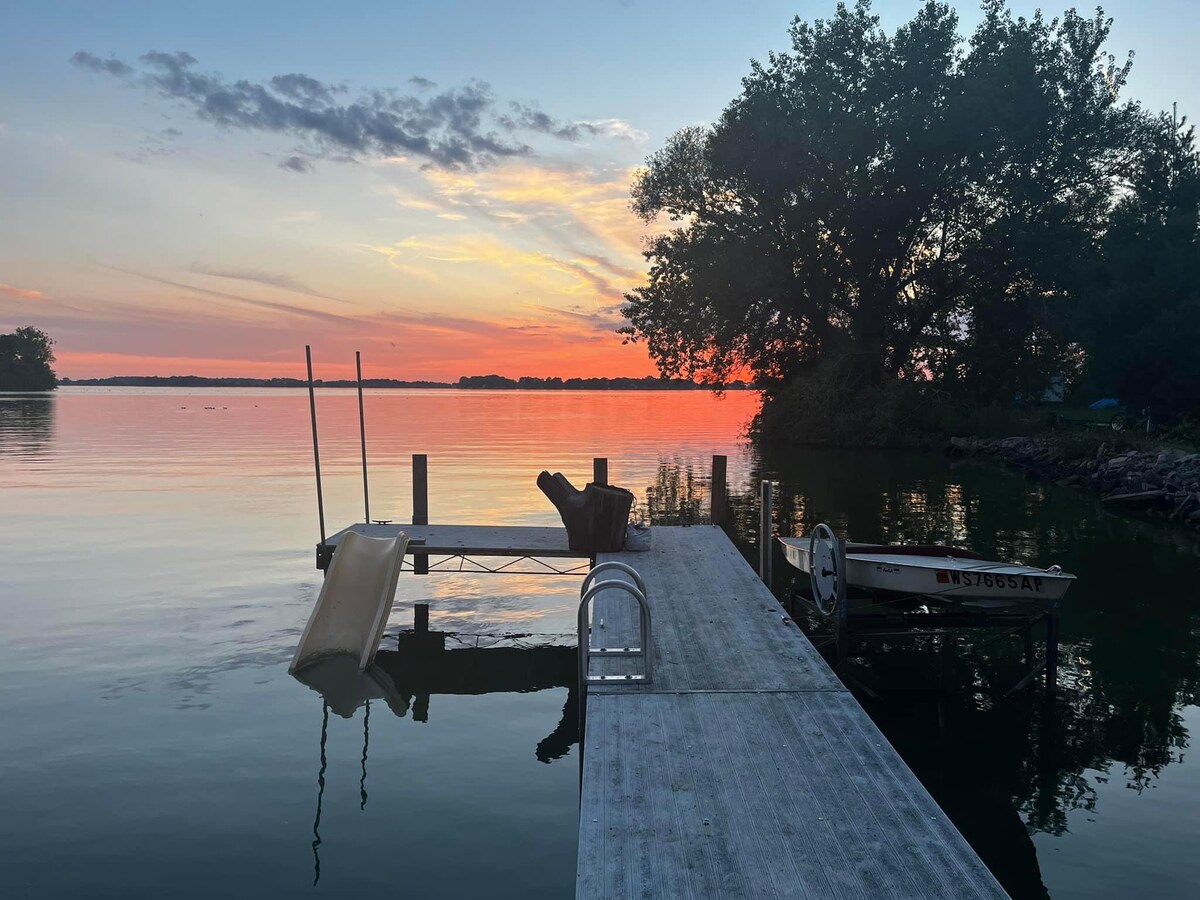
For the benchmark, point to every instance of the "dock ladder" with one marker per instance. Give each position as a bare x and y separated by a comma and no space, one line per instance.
587,591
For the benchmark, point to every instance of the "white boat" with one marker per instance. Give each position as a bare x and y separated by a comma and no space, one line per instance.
945,573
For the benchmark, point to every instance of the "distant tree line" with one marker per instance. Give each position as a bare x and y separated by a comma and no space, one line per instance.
25,358
649,383
882,219
472,382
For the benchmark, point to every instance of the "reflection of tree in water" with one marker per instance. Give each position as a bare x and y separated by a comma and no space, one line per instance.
26,424
677,496
1130,640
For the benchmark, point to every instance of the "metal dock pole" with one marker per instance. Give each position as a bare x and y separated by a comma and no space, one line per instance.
362,434
312,406
764,532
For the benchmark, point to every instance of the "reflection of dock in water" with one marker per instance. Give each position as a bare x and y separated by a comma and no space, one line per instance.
405,680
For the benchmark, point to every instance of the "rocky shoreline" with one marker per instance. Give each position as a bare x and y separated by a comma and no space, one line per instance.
1161,482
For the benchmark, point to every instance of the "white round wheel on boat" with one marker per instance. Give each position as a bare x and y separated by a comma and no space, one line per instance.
823,574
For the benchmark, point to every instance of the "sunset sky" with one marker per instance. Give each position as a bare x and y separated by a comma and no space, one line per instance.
204,188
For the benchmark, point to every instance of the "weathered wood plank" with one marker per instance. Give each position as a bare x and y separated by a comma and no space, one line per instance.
716,626
757,795
744,769
473,540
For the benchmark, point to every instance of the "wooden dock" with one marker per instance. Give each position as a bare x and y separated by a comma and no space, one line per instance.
467,542
744,768
473,540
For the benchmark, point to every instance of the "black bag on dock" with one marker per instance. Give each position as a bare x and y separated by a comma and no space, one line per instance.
595,517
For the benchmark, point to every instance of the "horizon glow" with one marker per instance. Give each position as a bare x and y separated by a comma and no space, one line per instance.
205,192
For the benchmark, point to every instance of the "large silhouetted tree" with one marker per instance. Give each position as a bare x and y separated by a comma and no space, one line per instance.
25,357
908,204
1142,325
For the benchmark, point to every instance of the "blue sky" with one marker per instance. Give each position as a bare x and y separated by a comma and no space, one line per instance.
148,241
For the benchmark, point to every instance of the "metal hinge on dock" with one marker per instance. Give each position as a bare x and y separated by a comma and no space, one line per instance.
587,591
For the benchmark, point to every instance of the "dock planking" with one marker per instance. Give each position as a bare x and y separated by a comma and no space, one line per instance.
745,768
471,540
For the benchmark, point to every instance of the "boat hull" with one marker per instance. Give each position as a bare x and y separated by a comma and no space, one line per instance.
971,581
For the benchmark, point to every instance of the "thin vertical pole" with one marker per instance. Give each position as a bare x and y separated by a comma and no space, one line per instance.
716,504
362,434
420,468
312,406
1051,651
764,533
421,619
843,605
600,471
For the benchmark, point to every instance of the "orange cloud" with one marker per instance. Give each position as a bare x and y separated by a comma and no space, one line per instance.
21,293
442,259
593,203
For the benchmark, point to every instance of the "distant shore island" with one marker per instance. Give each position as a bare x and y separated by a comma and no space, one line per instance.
467,382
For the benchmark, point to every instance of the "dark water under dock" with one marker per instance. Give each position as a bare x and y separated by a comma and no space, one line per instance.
158,570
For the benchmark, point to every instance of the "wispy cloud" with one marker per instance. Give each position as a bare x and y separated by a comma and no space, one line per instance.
285,282
429,257
529,117
457,128
286,309
110,66
161,143
21,293
296,164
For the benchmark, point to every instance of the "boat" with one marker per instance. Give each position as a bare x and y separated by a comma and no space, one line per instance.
949,574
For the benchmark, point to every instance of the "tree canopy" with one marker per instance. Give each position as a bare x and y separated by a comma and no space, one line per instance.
25,357
912,206
1142,322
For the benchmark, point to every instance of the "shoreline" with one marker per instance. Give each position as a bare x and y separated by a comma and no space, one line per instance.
1161,482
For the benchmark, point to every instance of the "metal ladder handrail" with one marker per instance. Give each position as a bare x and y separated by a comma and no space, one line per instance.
586,653
613,564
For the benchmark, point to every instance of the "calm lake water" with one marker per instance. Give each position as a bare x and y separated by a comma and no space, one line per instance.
158,571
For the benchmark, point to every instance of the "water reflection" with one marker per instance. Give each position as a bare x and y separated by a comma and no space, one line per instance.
679,495
405,681
26,424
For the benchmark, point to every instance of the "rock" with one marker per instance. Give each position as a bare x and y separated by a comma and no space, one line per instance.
1138,497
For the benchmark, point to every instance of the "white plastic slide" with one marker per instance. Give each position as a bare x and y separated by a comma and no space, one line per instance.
356,598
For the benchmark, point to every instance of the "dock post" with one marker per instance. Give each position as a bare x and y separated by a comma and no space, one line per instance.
719,499
600,471
843,607
420,506
764,532
421,619
362,434
1051,651
312,406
